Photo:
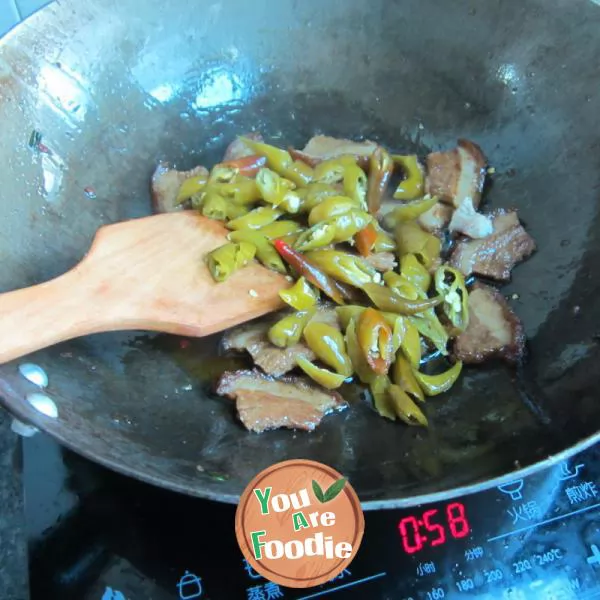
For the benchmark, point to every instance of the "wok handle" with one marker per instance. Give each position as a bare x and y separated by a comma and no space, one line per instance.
64,308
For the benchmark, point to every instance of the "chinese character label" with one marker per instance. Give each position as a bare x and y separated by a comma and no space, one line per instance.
268,591
527,511
255,593
582,492
474,553
425,568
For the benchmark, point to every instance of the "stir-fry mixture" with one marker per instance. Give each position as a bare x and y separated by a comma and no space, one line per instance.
385,252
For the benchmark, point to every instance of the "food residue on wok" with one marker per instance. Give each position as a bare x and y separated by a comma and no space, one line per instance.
386,290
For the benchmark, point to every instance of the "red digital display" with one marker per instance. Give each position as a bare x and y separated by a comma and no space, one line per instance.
433,527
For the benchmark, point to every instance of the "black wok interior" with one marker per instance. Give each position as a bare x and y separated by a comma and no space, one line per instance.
113,90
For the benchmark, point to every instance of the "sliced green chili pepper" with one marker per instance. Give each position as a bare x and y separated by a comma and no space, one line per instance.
411,342
433,385
345,267
234,211
409,211
404,376
191,186
359,363
197,200
303,172
450,284
413,183
328,344
279,229
355,184
405,336
398,331
382,400
384,242
290,239
405,407
375,340
271,186
315,193
288,331
301,295
255,219
317,236
242,190
429,326
227,259
381,167
220,174
347,313
332,170
389,300
291,202
214,206
402,285
308,269
414,271
331,207
323,377
281,161
349,224
411,239
265,252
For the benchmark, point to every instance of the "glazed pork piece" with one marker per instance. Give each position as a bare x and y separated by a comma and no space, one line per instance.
265,403
494,331
495,255
323,147
272,360
165,185
457,174
238,149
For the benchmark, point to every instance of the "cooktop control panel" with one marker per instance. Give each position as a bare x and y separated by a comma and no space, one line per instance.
530,539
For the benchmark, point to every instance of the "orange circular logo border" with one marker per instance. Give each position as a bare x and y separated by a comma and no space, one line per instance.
244,508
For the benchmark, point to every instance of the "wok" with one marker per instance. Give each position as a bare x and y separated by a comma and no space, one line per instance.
113,88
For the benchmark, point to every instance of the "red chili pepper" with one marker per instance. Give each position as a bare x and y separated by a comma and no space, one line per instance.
313,274
365,239
247,165
375,340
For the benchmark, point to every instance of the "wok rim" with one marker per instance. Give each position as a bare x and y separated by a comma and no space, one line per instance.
369,505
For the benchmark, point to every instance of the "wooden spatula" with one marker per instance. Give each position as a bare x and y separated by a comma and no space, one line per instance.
147,274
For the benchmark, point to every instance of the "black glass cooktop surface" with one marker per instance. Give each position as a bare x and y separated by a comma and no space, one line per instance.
94,535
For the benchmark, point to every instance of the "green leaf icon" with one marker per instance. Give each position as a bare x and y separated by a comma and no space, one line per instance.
335,489
318,491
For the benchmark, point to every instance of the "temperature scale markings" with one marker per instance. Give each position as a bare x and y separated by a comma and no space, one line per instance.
559,518
345,585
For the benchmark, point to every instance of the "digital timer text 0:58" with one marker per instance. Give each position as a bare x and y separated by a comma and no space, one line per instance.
432,526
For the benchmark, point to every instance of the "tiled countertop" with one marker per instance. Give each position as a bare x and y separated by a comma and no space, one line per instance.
14,11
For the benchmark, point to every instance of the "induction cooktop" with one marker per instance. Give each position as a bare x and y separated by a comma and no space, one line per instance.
96,535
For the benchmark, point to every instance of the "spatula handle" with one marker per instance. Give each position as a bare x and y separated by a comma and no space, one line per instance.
45,314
